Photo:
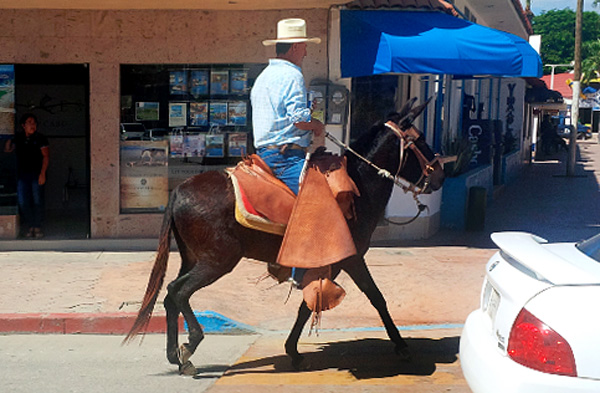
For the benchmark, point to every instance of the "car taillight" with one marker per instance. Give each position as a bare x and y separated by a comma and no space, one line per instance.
534,344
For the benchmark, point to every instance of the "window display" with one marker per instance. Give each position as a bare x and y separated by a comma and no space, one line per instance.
199,112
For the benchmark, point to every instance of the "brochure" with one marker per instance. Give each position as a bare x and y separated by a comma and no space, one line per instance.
237,144
177,114
146,111
219,82
218,113
215,145
194,145
178,82
237,113
198,82
198,114
239,81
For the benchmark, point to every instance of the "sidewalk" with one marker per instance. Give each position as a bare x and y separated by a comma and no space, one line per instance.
95,286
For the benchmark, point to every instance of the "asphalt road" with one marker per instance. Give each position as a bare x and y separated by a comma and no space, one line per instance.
90,364
338,361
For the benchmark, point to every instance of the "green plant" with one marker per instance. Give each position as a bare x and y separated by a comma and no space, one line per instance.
463,150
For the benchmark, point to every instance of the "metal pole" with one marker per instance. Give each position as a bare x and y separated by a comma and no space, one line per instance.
576,91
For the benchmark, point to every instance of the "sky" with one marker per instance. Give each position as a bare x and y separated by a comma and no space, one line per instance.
538,6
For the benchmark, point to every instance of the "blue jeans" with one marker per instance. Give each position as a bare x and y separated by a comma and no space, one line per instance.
30,196
287,167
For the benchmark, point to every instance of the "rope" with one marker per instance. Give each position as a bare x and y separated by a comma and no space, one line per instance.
386,174
380,171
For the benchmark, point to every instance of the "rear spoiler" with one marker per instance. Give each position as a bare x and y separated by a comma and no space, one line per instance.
528,250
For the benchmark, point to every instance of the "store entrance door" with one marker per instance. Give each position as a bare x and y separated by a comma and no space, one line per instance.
58,95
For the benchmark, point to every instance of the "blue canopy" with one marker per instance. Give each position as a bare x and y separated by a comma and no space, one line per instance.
377,42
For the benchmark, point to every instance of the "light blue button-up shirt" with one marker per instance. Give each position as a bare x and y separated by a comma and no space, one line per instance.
278,101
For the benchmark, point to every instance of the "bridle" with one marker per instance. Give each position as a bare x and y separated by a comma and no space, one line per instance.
407,138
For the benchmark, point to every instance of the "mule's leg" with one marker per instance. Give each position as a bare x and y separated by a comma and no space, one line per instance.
173,320
291,344
181,290
360,274
172,329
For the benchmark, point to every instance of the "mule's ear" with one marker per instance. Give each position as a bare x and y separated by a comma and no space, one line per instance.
414,113
406,108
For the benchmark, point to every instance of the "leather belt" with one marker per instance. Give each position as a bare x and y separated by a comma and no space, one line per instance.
283,148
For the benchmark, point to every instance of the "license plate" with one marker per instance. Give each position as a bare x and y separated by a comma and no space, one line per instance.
493,303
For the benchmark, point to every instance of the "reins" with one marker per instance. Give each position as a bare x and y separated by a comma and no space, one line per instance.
427,168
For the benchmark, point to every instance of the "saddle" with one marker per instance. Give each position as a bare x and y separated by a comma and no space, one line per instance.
313,224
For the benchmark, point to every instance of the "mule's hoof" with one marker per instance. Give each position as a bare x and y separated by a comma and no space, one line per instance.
183,354
187,369
404,354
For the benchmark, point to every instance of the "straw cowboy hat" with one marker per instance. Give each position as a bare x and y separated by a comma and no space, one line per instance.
290,31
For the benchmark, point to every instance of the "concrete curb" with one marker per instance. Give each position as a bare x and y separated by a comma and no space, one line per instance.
112,323
73,323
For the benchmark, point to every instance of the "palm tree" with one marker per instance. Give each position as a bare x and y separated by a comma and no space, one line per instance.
590,66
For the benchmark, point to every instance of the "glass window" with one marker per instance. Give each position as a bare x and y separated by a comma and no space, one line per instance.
179,120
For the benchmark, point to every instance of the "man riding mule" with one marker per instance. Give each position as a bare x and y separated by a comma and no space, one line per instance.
202,211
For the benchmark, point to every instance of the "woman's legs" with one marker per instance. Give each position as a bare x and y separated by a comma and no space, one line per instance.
31,203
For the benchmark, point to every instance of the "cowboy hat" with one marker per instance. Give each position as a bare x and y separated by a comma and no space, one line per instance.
290,31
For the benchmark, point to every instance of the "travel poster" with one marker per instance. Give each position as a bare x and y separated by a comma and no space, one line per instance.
239,81
176,142
146,111
198,114
198,82
215,145
194,145
144,175
178,82
218,113
219,82
177,114
236,113
237,144
7,99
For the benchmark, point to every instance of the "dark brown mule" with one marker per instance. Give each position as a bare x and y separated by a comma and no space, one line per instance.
200,214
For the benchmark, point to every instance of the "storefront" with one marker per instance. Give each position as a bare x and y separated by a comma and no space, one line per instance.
167,96
144,128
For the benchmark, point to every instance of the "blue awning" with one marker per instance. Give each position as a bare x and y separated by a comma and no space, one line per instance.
378,42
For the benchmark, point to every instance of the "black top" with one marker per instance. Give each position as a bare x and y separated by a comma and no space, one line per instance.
29,152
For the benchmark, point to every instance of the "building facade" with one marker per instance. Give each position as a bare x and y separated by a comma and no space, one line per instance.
93,76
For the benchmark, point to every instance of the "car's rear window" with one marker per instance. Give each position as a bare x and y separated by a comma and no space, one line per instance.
590,247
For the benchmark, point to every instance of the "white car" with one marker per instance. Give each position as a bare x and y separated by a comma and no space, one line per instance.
538,326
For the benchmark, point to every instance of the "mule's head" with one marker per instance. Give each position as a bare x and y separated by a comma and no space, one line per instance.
419,165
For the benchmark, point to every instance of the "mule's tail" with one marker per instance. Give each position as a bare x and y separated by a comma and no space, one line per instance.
157,276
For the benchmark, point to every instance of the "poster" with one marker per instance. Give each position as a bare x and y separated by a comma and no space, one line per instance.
146,111
144,175
215,145
177,114
178,82
198,114
7,99
219,82
193,145
198,82
239,81
218,113
237,144
176,143
236,111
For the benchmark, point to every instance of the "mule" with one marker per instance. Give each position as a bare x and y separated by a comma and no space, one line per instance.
200,215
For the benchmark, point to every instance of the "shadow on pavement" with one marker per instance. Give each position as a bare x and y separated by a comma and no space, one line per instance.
363,358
